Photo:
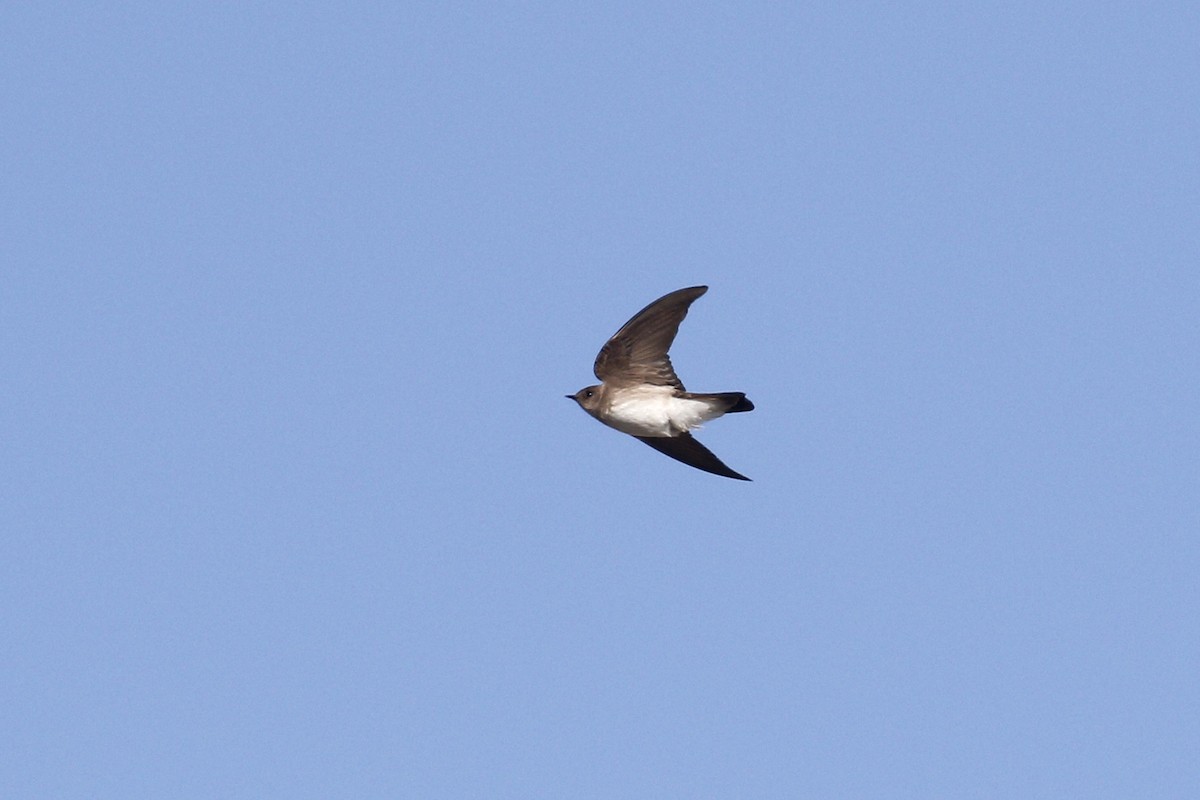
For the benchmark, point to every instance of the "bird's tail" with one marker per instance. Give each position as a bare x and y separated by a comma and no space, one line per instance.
734,401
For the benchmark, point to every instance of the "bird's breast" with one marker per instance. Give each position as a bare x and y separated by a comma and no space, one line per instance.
653,411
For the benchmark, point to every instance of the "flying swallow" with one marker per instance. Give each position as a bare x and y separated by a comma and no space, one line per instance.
640,394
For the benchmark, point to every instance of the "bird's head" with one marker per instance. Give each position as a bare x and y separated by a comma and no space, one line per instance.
588,398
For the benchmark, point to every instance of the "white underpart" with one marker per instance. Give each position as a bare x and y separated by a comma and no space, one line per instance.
654,411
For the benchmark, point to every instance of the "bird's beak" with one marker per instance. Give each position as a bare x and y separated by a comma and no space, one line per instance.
569,396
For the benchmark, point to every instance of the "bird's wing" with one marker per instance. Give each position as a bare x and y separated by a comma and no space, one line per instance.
638,352
686,449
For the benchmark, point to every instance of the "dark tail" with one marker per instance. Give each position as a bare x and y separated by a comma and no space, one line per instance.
740,402
737,400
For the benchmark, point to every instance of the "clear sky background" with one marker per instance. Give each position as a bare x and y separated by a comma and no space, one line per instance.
292,503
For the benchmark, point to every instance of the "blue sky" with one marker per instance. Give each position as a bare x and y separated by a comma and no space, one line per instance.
293,503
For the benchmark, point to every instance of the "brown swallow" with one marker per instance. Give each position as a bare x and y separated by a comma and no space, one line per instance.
641,395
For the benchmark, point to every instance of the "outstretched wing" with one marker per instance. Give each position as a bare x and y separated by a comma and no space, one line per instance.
686,449
638,352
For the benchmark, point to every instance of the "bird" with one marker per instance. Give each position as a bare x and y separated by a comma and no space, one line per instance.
640,394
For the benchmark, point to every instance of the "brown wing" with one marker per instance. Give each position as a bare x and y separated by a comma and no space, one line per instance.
638,352
686,449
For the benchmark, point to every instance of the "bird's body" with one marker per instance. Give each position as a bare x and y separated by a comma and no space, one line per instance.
640,394
648,410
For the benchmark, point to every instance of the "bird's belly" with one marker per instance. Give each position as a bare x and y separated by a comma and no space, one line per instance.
656,413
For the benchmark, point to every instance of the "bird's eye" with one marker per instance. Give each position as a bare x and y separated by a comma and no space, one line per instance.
588,393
